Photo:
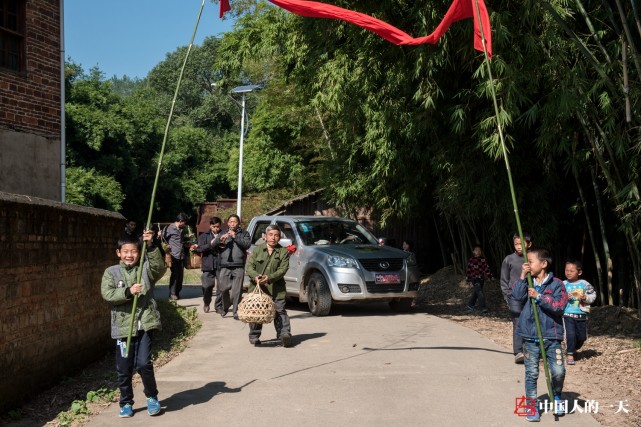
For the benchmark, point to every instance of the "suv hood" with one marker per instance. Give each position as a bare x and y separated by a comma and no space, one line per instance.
361,251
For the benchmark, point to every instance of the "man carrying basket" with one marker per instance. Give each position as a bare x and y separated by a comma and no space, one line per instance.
266,267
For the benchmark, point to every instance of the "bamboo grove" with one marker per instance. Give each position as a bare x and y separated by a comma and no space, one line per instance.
410,132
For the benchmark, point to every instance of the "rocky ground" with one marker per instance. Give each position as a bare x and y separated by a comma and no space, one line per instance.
608,368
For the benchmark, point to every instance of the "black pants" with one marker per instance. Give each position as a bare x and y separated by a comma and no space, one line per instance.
477,294
176,278
208,281
138,360
281,323
576,333
515,308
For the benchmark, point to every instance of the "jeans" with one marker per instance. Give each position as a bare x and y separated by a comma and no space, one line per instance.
478,295
138,360
176,278
576,333
532,354
281,322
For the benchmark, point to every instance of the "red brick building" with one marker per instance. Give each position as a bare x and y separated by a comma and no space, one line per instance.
53,320
30,95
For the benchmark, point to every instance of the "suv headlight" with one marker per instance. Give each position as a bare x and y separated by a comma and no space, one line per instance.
411,261
341,261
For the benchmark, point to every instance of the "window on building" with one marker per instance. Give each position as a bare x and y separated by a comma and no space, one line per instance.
12,29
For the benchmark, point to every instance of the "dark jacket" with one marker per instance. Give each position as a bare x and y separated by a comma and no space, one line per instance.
211,256
174,238
275,266
510,274
550,308
233,252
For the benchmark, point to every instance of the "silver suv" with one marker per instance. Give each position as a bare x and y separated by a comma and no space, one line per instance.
338,260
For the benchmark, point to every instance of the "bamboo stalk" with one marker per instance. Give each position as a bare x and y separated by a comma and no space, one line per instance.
628,34
588,22
626,84
597,258
153,192
546,368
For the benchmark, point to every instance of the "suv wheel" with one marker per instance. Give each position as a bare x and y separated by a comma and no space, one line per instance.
401,304
319,297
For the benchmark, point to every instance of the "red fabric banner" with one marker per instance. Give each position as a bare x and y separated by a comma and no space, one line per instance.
224,7
460,9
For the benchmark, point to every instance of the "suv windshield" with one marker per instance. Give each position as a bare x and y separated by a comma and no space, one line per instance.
334,233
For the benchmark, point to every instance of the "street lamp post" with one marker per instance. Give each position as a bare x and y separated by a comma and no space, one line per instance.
242,90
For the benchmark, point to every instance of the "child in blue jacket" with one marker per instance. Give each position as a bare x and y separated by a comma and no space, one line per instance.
548,298
580,295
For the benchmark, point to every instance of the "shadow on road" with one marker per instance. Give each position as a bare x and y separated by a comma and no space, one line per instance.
436,348
197,396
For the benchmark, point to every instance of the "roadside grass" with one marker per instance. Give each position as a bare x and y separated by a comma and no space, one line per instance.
191,277
72,401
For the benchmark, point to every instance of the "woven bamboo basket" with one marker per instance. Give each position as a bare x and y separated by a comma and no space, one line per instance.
257,307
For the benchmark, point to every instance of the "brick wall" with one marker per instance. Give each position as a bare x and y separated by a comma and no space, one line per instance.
31,99
30,113
53,320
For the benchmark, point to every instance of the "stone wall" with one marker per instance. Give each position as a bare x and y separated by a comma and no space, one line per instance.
53,320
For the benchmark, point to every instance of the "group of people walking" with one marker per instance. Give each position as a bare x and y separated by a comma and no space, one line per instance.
562,309
224,259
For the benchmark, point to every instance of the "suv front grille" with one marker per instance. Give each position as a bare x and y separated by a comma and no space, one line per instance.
374,264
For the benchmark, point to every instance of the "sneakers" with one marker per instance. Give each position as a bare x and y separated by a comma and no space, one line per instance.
255,342
126,411
206,308
533,416
236,317
469,307
153,406
570,359
518,358
287,340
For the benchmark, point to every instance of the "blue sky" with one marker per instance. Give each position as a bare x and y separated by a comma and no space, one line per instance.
129,37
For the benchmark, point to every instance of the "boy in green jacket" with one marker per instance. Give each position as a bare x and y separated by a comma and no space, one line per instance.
118,288
267,267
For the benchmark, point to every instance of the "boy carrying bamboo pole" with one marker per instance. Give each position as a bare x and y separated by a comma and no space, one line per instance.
118,288
549,298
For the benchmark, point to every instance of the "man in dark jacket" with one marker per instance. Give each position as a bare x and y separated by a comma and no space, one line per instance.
233,247
173,235
209,264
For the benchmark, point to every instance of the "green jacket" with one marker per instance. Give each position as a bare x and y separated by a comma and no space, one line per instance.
147,314
274,266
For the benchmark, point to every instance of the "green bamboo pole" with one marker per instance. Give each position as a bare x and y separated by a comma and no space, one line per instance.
153,192
516,209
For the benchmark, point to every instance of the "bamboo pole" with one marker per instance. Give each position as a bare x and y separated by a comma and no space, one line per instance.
153,192
546,368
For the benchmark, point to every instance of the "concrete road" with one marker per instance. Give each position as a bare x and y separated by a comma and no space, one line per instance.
361,366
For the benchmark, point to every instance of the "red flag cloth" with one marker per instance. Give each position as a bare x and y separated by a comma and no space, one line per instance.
460,9
224,7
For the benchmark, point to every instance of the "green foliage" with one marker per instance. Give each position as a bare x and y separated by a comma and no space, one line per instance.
87,187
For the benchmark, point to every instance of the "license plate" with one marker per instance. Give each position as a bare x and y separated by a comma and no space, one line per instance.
387,278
